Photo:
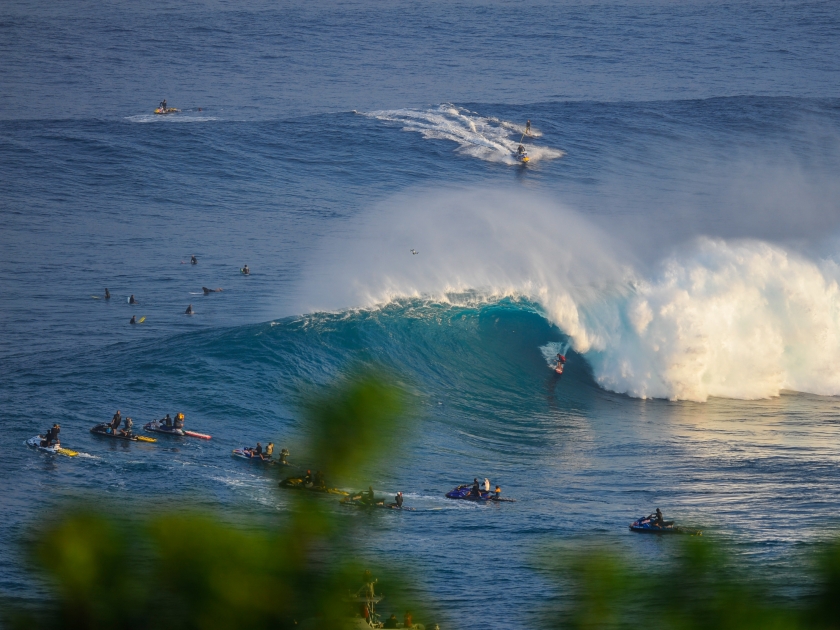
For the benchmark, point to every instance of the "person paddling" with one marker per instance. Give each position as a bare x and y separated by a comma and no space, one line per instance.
189,310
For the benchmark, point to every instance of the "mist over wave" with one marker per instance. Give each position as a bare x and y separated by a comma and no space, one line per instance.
715,317
486,138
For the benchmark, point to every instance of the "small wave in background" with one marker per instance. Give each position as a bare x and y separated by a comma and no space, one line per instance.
183,117
483,137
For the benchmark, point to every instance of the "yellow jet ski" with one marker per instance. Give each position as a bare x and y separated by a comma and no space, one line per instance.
168,110
56,449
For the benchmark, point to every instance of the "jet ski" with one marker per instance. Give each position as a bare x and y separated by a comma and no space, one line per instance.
247,453
105,430
55,449
297,483
168,110
523,157
362,500
465,492
156,426
648,525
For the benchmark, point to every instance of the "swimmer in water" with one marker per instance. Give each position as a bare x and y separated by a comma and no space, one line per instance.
189,310
245,270
193,260
133,321
107,294
131,300
208,291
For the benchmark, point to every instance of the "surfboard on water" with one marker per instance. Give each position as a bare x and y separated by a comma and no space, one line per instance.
141,320
203,436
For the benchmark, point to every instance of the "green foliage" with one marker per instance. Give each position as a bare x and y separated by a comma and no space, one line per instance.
699,587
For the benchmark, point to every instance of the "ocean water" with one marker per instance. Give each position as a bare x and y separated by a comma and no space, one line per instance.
675,233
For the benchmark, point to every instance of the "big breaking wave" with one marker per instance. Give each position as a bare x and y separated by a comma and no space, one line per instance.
730,318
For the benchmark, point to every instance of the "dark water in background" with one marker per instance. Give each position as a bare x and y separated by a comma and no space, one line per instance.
674,121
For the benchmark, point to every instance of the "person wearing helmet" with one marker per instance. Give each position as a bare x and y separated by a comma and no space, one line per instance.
398,500
179,421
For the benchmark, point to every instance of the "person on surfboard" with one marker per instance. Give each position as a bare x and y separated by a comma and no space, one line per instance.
528,128
189,310
193,260
245,270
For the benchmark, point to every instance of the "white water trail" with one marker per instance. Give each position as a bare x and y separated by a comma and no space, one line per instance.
730,318
486,138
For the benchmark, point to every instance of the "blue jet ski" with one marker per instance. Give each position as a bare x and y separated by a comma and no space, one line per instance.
649,525
465,492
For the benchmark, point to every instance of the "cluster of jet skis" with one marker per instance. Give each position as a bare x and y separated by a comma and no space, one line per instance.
122,429
118,428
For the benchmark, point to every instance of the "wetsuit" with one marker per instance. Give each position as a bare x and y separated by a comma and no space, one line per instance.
55,431
399,500
115,421
128,424
179,422
476,491
168,421
47,438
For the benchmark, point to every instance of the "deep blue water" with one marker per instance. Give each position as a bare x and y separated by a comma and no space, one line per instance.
677,228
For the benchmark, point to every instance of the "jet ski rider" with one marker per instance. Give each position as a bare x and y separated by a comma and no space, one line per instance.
520,150
658,519
179,421
398,500
128,424
163,105
476,489
168,421
115,421
51,437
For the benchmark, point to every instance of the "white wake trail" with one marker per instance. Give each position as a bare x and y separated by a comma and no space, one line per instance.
482,137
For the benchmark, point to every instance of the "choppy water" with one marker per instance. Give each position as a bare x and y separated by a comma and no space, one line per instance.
677,229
